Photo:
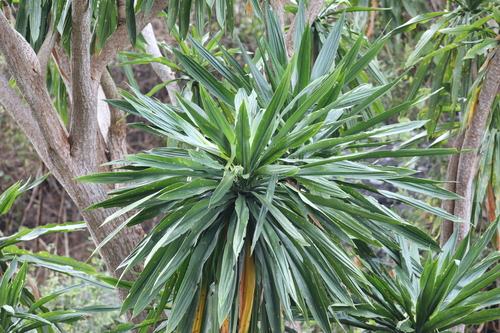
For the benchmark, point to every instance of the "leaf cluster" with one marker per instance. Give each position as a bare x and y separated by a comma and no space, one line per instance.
444,292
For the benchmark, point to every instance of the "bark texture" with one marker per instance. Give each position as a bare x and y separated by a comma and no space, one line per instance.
313,9
462,170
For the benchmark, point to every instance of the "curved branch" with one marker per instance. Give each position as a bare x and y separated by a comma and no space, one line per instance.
451,178
7,10
64,65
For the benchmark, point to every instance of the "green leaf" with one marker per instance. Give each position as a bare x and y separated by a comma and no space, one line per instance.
204,77
349,208
480,317
289,228
304,61
323,186
98,308
30,234
224,186
241,224
243,134
487,44
448,318
191,189
257,75
376,154
376,95
7,198
199,118
422,43
284,170
130,16
184,17
321,88
422,205
291,141
475,286
235,81
424,186
215,115
268,120
356,67
192,277
326,57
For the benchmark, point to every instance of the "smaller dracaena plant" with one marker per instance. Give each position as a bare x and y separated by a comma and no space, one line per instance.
446,291
261,199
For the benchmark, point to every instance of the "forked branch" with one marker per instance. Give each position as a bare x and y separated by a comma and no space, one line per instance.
119,39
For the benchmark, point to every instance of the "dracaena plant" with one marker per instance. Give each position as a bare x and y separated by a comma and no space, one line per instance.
260,200
450,288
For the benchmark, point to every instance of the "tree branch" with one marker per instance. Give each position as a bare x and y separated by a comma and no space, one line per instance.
83,125
163,71
119,39
25,67
103,117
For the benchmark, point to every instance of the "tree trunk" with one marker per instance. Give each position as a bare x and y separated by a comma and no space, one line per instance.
466,166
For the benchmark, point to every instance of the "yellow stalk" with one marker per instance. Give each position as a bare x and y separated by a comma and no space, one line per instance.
199,311
225,326
247,288
473,105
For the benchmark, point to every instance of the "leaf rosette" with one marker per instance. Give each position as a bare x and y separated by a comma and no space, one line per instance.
261,199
